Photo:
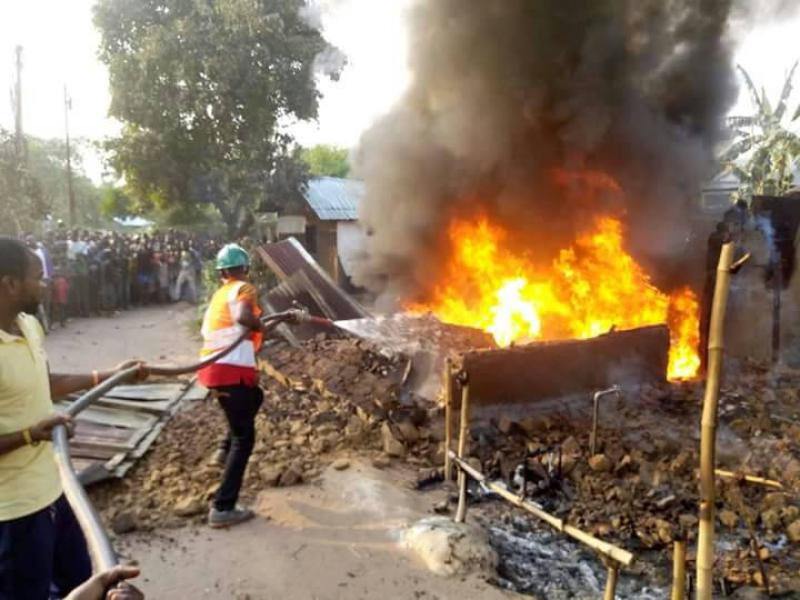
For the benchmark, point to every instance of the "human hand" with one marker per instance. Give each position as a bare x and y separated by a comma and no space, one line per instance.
95,587
43,430
141,375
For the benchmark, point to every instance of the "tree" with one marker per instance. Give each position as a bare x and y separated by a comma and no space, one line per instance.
202,88
22,204
47,162
324,160
767,143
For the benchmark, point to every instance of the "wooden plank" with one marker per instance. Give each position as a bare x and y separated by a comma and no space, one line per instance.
545,370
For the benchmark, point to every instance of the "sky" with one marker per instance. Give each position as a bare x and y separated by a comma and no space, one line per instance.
60,45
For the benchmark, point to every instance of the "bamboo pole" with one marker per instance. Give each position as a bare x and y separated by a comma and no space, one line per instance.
708,427
679,570
461,511
610,551
448,419
611,581
770,483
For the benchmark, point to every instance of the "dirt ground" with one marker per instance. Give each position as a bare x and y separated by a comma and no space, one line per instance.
335,539
158,335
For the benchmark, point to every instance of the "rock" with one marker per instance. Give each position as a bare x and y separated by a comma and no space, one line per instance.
793,531
189,506
449,548
665,531
271,474
570,446
532,425
771,519
381,462
291,476
790,514
442,508
341,464
506,425
408,431
728,518
391,445
600,463
319,445
688,521
774,500
124,522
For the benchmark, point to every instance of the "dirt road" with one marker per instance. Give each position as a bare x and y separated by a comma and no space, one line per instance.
162,334
339,538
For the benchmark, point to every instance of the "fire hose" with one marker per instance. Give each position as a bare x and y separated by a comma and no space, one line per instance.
99,545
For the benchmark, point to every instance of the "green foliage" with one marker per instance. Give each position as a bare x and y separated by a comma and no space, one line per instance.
766,142
115,202
324,160
22,203
47,162
202,87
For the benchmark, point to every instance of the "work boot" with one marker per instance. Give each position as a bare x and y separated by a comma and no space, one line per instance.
219,458
219,519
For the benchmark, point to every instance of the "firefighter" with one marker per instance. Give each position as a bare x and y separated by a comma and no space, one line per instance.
233,379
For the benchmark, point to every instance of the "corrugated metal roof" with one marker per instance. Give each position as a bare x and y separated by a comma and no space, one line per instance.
305,278
334,199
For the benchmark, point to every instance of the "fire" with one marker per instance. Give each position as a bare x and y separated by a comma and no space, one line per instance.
590,288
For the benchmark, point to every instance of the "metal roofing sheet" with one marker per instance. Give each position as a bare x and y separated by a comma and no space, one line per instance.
334,199
288,258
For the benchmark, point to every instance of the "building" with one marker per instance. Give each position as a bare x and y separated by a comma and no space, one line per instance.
334,236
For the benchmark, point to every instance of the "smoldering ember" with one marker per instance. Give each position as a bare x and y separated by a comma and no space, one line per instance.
536,334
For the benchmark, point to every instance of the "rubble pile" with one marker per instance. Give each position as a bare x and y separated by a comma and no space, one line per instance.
340,368
299,432
336,397
640,490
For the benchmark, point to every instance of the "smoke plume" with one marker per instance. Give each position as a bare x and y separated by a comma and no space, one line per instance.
529,110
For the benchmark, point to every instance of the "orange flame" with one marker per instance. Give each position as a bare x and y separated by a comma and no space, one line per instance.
591,287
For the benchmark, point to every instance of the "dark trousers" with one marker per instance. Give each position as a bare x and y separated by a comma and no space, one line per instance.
42,555
241,404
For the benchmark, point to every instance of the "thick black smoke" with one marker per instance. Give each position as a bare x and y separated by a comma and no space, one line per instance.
514,101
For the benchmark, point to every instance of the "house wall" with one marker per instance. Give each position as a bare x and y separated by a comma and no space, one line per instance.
323,248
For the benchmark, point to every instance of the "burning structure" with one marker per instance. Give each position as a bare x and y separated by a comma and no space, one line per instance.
535,180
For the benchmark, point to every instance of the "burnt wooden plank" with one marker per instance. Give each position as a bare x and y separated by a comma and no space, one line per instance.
545,370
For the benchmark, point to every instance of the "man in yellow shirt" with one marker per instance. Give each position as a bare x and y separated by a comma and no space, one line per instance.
42,549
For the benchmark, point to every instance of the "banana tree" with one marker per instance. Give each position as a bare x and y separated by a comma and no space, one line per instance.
765,147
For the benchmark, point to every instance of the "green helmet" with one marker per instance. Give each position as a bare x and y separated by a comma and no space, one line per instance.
232,256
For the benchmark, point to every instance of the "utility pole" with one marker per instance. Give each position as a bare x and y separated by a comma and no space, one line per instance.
16,101
70,191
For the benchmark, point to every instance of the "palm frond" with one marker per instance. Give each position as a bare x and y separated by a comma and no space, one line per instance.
785,93
766,107
736,149
740,121
751,87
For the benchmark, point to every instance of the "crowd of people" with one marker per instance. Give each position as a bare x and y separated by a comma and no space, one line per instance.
89,273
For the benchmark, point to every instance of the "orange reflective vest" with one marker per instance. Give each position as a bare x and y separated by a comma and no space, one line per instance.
220,328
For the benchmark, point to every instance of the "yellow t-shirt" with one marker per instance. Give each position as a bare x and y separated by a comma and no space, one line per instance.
29,479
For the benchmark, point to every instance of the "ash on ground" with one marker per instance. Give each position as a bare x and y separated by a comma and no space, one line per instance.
538,561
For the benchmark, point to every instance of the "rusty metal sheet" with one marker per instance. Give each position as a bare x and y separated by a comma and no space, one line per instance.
288,259
147,391
545,370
